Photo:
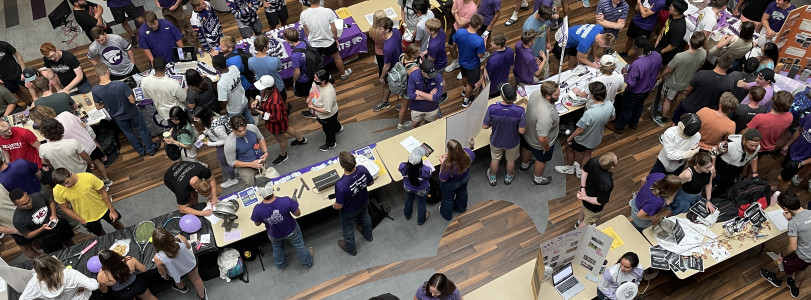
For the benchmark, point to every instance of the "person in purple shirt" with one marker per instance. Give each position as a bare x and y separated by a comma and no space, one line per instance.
471,50
641,79
454,168
643,22
528,67
438,287
436,44
774,16
648,205
416,177
508,123
158,37
276,213
392,48
798,156
352,201
20,174
301,81
490,10
499,64
424,91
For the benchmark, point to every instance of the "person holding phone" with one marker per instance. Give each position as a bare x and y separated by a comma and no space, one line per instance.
35,219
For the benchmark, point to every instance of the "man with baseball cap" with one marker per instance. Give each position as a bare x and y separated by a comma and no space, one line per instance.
732,157
277,215
764,79
424,91
679,143
509,123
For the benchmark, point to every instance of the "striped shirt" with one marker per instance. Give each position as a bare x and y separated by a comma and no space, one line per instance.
612,13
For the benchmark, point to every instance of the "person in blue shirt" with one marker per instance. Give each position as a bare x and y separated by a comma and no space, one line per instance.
540,22
500,62
232,58
580,42
158,37
424,91
263,64
471,50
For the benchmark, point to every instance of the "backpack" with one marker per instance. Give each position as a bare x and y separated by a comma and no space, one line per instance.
378,212
246,72
398,76
739,197
313,59
801,105
173,151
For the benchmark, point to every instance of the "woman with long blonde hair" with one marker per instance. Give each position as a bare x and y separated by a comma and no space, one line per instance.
454,167
648,205
174,258
53,281
378,38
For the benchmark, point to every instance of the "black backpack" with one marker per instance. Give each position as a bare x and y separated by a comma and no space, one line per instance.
246,72
314,60
378,212
173,151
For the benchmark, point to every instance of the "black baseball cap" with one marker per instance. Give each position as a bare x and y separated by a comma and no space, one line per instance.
428,67
767,74
508,92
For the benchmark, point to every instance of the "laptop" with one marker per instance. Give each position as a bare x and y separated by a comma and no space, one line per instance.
185,58
565,282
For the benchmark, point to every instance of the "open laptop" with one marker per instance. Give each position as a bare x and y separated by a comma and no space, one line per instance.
185,58
565,282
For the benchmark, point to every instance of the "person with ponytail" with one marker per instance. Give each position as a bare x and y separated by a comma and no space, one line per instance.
647,206
118,278
454,168
641,79
324,104
216,130
697,177
416,184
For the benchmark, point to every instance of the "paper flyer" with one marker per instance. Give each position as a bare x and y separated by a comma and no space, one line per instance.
586,247
780,222
248,196
658,258
343,13
617,240
716,250
410,143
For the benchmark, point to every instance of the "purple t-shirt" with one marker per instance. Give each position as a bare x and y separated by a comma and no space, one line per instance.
161,41
166,3
525,64
436,50
498,67
351,192
452,175
801,149
392,48
277,216
642,73
425,174
505,120
777,15
649,22
422,296
418,83
646,200
488,8
119,3
299,61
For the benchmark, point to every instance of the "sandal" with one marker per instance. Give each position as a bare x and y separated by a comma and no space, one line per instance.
510,22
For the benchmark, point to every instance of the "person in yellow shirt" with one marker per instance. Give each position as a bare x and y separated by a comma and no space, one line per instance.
82,197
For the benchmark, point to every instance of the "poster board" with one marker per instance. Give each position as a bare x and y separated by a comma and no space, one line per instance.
467,124
794,41
537,274
586,247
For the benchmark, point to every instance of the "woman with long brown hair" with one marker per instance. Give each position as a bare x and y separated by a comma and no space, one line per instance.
174,258
118,278
696,177
53,281
454,167
648,204
438,287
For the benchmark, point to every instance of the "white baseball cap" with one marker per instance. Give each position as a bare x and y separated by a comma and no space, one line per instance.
608,60
264,82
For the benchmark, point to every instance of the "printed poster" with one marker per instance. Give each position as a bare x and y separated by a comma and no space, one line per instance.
586,247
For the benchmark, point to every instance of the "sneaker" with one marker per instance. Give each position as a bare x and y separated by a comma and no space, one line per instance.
793,290
342,245
229,183
183,290
578,171
443,97
565,169
466,102
398,107
452,66
544,181
312,256
297,142
347,72
326,147
464,95
369,239
459,76
308,114
279,160
342,129
486,55
576,225
661,121
205,294
381,106
405,125
796,180
108,182
508,179
524,5
491,178
770,277
427,214
524,168
511,21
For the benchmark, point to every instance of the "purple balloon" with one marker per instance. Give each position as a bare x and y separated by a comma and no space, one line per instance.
190,223
93,264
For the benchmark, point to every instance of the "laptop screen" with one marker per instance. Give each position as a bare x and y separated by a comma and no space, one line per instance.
182,54
566,271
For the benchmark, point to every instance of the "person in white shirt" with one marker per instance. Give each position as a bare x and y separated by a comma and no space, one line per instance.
319,27
614,82
229,90
53,281
164,91
708,19
679,143
627,269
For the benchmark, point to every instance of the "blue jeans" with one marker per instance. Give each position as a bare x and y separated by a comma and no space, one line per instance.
348,226
631,109
638,223
82,88
245,113
683,201
297,240
137,125
422,198
454,197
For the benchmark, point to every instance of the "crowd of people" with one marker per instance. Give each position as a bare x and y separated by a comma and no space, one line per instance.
726,113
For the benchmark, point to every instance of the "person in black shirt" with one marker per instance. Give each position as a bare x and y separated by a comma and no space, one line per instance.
11,66
752,11
66,67
671,39
596,184
31,218
88,15
187,179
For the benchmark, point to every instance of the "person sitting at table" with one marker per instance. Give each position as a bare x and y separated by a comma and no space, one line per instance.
498,66
32,221
677,73
528,67
182,134
648,205
611,14
164,91
276,12
277,214
697,177
68,153
580,44
736,46
596,184
733,156
263,64
425,88
671,39
118,277
244,12
245,150
206,25
324,103
679,143
798,155
705,87
392,48
438,287
318,24
797,255
613,82
416,182
508,123
274,112
768,57
540,23
159,37
301,81
454,174
627,269
774,17
715,123
175,258
641,80
642,23
230,90
60,102
772,124
53,281
745,112
589,132
542,123
82,197
186,180
68,70
352,202
764,79
708,18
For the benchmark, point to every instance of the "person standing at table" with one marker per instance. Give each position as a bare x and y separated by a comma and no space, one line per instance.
7,208
797,255
438,287
543,123
263,64
708,18
89,15
764,79
715,123
416,181
798,155
234,58
435,50
423,15
122,10
697,177
200,92
471,50
751,11
159,37
705,87
490,10
319,27
392,48
66,67
53,281
425,88
733,156
463,11
589,132
679,143
540,23
596,185
183,134
216,130
113,51
19,143
581,42
641,80
324,103
747,75
627,269
611,14
230,90
276,12
11,67
32,220
352,202
83,198
301,80
245,150
498,66
642,23
206,25
175,258
187,179
677,73
735,45
60,102
409,15
244,12
454,174
277,213
612,81
164,91
671,38
274,112
774,17
174,12
508,123
117,277
649,204
773,124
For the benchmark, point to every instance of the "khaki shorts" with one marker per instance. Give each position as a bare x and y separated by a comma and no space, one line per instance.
669,93
430,116
512,153
590,216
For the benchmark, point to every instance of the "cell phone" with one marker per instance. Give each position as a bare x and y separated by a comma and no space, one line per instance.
53,222
428,149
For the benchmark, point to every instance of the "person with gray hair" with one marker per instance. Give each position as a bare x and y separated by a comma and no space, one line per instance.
277,213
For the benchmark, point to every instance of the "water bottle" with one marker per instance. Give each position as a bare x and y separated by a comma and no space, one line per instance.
586,3
257,151
605,263
87,100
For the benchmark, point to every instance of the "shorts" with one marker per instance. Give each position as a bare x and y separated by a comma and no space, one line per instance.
591,217
13,85
450,36
253,28
635,31
274,17
20,240
428,116
793,263
302,89
572,51
790,168
63,232
134,289
328,50
94,227
130,11
669,93
512,153
538,154
380,63
577,147
472,75
133,72
97,154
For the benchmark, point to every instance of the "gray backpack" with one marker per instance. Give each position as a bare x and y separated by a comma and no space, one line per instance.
398,76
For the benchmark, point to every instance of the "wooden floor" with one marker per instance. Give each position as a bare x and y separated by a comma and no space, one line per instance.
505,236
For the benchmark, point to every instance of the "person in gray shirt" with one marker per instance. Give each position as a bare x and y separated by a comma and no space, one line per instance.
797,255
542,126
114,51
589,132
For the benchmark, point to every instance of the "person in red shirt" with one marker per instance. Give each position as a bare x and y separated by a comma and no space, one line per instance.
19,143
772,124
